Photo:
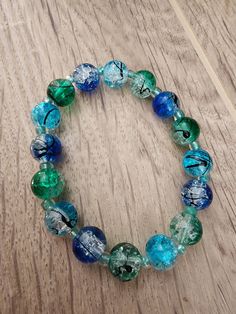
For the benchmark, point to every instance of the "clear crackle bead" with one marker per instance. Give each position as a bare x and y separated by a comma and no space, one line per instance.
186,229
115,74
60,218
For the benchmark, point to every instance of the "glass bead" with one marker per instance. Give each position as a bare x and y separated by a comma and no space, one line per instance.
196,193
47,115
181,249
143,84
190,210
47,183
195,145
115,74
161,251
104,259
86,77
89,244
165,104
197,162
179,114
186,229
185,130
62,92
61,218
125,261
46,147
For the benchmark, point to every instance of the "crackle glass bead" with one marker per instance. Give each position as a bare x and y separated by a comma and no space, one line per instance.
89,244
143,84
61,91
185,131
46,147
165,104
47,183
46,114
125,261
197,162
86,77
197,193
186,229
161,251
115,74
61,218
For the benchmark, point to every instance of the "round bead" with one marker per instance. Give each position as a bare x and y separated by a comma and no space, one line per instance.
143,84
197,193
125,261
47,115
86,77
61,218
47,183
185,130
115,74
186,229
161,251
46,147
89,244
197,162
61,91
165,104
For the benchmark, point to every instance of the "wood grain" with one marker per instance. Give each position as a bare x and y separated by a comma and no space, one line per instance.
214,23
122,170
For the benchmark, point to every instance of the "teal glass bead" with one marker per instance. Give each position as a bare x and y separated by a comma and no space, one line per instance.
186,229
161,251
47,183
197,162
61,218
62,92
125,261
115,74
185,131
47,115
143,84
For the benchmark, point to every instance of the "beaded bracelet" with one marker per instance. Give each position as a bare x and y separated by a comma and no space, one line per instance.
89,242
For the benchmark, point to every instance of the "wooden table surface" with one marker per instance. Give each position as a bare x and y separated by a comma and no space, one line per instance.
121,168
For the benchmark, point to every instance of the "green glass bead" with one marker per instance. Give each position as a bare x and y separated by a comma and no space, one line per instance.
125,261
61,91
186,229
185,131
143,84
47,183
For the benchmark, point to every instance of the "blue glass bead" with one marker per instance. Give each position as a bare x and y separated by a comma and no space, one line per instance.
46,147
197,162
165,104
89,244
115,74
161,251
86,77
61,218
47,115
197,193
